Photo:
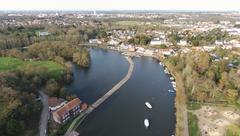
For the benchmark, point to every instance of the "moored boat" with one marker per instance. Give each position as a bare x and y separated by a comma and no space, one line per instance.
148,105
172,78
146,123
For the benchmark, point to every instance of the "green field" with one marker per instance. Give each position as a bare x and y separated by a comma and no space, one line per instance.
53,69
193,125
193,106
233,130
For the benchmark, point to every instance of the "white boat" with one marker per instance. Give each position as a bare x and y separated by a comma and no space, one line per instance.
146,123
166,71
148,105
160,63
172,78
170,91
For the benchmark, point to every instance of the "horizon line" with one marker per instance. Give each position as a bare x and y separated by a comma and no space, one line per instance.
176,10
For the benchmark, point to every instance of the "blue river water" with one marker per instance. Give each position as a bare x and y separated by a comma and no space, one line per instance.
124,112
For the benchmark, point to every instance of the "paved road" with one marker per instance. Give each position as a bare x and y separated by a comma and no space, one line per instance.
44,115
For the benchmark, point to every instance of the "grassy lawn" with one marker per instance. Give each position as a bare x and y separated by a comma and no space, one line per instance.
193,125
233,130
193,106
11,64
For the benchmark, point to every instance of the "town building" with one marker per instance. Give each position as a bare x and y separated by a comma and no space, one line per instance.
158,41
114,42
182,43
165,52
43,33
68,111
55,103
95,41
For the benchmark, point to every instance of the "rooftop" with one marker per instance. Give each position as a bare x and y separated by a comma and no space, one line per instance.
70,105
54,101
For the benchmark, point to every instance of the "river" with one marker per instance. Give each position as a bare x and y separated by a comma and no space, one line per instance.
124,112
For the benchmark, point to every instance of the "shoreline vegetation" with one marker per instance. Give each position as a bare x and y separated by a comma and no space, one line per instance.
201,82
180,103
30,61
23,73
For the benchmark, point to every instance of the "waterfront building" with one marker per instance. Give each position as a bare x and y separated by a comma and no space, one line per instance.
68,111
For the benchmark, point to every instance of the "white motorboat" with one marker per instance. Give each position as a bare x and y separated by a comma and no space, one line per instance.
148,105
170,91
146,123
166,71
172,78
160,63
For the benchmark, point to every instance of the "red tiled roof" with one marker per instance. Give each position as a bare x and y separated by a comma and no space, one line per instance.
69,106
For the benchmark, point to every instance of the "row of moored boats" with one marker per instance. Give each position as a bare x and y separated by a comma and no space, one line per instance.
171,78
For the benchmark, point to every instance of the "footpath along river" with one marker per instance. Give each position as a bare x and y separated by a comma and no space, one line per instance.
124,112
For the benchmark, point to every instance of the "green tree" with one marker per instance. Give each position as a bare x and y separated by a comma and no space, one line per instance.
14,127
52,87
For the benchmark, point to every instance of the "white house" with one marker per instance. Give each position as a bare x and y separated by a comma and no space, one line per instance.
182,43
185,50
148,52
158,41
95,41
219,42
236,45
123,46
113,42
209,48
166,52
228,47
43,33
140,50
233,31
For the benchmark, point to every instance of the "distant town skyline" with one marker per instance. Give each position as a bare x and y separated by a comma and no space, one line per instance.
208,5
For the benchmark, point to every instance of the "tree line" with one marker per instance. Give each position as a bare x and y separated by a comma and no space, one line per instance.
22,36
207,80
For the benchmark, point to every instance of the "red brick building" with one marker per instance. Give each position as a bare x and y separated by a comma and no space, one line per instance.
68,111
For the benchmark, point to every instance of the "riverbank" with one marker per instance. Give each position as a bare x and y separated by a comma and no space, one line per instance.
181,128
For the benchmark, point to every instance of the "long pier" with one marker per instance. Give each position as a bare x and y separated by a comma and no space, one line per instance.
114,89
104,97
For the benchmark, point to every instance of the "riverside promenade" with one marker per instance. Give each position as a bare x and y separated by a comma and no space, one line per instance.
104,97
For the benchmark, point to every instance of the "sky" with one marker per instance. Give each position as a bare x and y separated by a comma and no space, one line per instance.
209,5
